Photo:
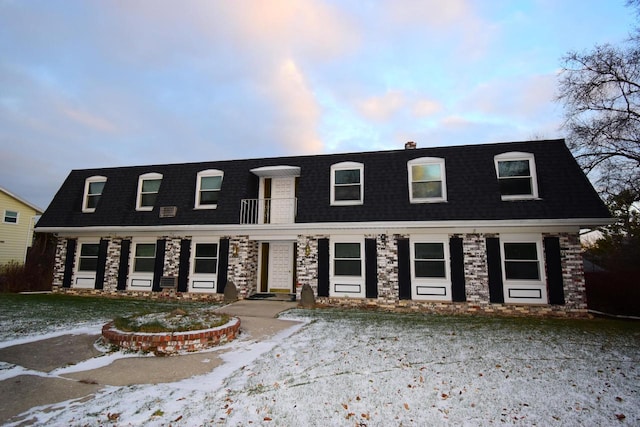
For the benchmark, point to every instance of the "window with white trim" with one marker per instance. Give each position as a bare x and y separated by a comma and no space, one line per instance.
142,265
523,269
430,268
148,187
427,180
347,269
87,264
11,217
93,187
347,183
204,266
208,185
516,174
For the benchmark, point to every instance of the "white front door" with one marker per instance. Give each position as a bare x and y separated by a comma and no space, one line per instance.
280,267
283,200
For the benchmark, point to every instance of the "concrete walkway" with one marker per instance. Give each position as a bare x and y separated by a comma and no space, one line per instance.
18,394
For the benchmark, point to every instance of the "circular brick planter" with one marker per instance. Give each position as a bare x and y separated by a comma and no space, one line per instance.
166,343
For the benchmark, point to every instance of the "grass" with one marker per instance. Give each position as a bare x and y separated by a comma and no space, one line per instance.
177,320
29,315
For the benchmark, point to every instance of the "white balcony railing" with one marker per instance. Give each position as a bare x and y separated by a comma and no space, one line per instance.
268,211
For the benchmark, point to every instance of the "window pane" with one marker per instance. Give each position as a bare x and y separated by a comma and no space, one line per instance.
209,250
429,251
151,185
350,176
515,186
148,199
347,267
210,182
425,173
205,265
146,250
96,187
349,192
11,216
88,264
522,270
424,190
523,251
347,250
92,201
209,197
89,249
513,168
430,269
144,264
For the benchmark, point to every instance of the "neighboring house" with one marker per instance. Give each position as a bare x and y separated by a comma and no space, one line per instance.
491,227
16,227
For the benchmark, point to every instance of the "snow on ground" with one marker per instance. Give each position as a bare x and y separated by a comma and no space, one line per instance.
346,369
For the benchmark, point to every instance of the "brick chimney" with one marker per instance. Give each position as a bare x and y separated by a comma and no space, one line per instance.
410,145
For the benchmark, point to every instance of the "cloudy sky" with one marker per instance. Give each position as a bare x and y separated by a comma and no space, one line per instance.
88,84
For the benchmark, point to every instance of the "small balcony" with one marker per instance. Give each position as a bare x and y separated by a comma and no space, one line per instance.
268,211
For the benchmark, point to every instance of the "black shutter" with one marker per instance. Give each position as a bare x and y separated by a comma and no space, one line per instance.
68,263
323,267
123,267
158,267
183,271
554,270
102,262
494,270
223,265
458,293
404,269
371,268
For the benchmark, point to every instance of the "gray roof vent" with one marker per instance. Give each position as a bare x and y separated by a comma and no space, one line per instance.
168,211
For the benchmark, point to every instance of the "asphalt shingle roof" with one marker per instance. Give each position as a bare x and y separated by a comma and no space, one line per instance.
472,189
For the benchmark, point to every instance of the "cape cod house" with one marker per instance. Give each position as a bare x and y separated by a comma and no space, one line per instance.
491,227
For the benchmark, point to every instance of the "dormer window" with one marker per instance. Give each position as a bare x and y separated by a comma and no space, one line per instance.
516,174
208,185
148,187
347,183
427,180
93,187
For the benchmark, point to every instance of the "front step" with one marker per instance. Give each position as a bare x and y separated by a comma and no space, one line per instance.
269,296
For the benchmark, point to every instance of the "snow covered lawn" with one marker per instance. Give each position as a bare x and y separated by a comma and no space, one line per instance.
363,368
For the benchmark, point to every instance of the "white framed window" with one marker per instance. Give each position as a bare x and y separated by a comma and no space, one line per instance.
427,180
148,187
142,265
208,185
347,267
86,264
93,187
516,174
430,268
203,265
523,270
347,183
11,217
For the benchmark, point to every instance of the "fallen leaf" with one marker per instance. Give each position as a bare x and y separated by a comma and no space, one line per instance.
229,411
406,406
358,398
620,417
345,406
177,419
266,419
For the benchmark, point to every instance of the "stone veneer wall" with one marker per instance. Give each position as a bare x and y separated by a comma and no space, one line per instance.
59,260
243,270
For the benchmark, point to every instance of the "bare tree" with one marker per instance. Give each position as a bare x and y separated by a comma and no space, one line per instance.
600,90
